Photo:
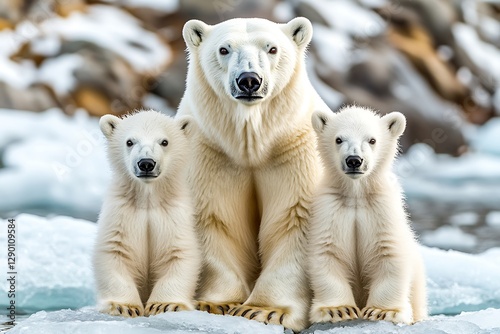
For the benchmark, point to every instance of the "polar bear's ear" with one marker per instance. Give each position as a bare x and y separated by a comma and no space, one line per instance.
319,120
194,32
187,125
300,30
108,124
395,122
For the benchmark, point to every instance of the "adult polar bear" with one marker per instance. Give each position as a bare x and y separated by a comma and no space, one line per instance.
256,165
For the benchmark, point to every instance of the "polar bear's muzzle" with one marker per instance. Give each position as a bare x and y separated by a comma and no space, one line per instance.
146,168
248,85
354,164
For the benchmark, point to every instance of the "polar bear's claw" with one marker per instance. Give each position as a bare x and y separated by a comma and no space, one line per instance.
396,316
267,315
125,310
335,314
216,308
157,308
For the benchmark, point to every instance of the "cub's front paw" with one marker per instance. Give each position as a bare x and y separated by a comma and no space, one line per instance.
153,308
334,314
123,309
268,315
215,308
396,315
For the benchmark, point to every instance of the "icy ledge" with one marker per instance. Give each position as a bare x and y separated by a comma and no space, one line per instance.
88,321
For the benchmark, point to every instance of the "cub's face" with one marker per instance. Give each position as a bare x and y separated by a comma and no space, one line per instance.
355,142
146,146
248,60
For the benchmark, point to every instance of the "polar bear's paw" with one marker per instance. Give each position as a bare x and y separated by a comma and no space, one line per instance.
396,316
335,314
267,315
123,309
215,308
153,308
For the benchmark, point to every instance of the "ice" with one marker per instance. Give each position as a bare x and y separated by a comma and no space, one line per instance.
487,140
52,262
459,282
67,171
446,179
464,219
449,237
88,320
493,218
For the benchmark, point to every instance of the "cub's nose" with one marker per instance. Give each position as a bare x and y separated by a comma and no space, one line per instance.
353,161
146,165
249,82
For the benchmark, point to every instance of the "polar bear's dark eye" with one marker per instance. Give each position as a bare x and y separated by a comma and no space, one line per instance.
273,50
164,142
338,141
223,51
129,143
372,141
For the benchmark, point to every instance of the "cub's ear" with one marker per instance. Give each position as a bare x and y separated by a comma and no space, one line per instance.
194,32
395,122
108,124
300,30
319,120
187,124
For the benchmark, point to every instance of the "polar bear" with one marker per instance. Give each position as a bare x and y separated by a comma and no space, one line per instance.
256,165
147,252
362,252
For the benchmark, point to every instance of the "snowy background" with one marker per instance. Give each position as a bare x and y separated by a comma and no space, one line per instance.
63,63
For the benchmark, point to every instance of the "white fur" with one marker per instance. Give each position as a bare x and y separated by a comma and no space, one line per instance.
256,166
146,250
362,252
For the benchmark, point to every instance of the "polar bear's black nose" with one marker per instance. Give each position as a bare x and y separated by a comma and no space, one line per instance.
146,165
249,82
353,161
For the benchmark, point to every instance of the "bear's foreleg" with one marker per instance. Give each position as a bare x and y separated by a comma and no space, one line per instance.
389,294
332,261
227,222
281,294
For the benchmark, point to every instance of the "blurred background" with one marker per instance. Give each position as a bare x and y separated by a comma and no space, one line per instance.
64,63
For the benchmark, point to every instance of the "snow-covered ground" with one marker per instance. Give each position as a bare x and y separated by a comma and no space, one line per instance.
54,272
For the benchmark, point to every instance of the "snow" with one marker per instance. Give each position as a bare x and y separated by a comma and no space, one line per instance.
348,17
116,30
333,48
449,237
164,6
485,56
67,170
64,66
52,263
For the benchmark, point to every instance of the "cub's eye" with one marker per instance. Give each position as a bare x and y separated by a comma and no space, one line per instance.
338,141
223,51
372,141
164,142
130,143
273,50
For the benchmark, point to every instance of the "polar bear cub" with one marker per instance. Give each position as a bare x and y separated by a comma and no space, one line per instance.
363,253
146,257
